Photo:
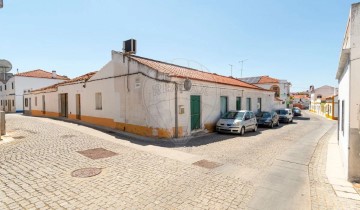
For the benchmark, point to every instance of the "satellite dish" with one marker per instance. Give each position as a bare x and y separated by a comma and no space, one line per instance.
187,84
5,66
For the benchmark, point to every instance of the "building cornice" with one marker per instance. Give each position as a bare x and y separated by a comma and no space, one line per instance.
344,57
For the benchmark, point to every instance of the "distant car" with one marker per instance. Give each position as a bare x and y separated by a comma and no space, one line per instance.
285,115
269,119
237,122
296,111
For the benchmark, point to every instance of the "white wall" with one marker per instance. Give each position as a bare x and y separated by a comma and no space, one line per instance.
15,87
147,101
344,84
325,91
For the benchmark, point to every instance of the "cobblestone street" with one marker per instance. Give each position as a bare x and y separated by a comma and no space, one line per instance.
36,168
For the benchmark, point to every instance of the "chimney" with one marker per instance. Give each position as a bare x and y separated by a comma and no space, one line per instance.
53,74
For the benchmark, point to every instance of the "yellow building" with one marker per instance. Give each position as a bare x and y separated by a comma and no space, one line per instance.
331,107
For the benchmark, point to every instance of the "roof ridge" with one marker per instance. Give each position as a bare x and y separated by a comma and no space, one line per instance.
214,75
32,71
163,62
71,81
40,73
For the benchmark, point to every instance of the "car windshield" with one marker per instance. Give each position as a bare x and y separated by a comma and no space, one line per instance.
266,115
282,111
233,115
263,114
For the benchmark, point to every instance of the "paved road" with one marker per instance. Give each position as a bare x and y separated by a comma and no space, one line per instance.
36,168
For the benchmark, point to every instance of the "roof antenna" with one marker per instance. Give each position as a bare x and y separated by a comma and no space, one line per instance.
230,69
242,65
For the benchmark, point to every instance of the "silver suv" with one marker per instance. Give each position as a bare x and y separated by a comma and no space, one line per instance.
237,122
285,115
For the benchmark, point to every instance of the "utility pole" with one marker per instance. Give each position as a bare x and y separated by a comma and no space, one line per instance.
242,65
231,69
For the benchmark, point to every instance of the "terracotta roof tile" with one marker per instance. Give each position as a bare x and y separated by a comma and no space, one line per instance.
40,74
184,72
79,79
267,79
301,96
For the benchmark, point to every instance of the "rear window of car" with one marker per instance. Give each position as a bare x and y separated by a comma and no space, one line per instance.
266,115
282,111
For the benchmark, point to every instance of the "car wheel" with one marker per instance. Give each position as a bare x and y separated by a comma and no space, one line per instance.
272,125
242,131
255,128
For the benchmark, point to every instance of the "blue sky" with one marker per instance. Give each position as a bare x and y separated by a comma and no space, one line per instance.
297,40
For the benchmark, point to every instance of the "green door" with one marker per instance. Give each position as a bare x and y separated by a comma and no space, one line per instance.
238,103
195,112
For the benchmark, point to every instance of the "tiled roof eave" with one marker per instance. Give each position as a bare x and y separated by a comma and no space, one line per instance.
42,77
224,83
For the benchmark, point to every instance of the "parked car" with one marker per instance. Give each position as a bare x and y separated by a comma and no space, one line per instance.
296,111
237,122
285,115
269,119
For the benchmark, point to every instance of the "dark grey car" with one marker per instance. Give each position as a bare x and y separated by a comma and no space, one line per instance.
269,119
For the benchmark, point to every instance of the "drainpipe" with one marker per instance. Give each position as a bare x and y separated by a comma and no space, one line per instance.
128,90
176,111
127,77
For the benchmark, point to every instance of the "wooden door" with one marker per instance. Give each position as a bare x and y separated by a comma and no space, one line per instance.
78,107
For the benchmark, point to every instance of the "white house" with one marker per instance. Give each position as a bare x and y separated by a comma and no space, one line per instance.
148,97
348,76
280,87
13,89
318,98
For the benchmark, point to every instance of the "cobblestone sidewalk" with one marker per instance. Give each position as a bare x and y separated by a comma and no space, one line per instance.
322,193
36,171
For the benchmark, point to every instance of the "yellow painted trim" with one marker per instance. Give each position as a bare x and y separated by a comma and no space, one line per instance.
44,114
72,116
99,121
135,129
210,127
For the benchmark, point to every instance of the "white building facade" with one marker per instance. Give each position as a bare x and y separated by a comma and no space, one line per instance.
148,98
348,76
12,91
279,86
318,98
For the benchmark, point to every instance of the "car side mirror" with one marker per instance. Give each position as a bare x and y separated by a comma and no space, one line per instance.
247,118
